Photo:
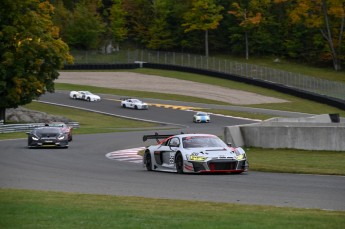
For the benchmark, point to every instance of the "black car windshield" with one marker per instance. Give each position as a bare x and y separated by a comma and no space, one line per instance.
48,130
202,142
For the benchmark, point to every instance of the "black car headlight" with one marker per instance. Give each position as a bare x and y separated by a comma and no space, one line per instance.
34,138
61,137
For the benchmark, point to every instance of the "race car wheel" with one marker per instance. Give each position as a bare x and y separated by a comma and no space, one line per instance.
124,105
179,163
74,97
136,107
148,161
88,99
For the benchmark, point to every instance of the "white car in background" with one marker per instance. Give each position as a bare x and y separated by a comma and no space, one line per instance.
201,117
134,103
84,95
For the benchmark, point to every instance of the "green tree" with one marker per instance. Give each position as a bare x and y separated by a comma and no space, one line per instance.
86,27
117,20
31,52
160,36
328,16
204,15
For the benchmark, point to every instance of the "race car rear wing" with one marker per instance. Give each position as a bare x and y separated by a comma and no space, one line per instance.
157,136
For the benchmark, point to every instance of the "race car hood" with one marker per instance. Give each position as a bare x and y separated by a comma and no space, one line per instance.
212,152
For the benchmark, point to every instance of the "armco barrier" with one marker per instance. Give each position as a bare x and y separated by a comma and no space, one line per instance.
100,66
11,128
287,133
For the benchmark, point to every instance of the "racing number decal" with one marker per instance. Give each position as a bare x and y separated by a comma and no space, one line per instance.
172,158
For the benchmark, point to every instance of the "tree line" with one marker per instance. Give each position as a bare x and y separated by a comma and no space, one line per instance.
304,30
36,35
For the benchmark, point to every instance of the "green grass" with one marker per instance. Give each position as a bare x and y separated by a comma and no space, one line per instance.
40,209
296,161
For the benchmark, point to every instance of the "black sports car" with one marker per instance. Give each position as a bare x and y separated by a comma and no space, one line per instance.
47,136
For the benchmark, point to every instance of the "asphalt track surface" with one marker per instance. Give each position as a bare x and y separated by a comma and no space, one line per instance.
83,167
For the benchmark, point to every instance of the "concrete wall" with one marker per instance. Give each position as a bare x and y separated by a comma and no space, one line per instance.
296,135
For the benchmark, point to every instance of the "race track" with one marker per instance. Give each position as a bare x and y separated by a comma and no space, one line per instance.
84,168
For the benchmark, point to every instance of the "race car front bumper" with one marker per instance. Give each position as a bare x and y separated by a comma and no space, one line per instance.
219,165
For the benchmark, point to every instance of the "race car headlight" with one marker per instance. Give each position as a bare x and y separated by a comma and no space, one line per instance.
197,158
34,138
61,137
241,156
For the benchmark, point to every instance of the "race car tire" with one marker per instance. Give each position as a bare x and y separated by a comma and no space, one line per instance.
179,163
88,99
136,107
148,161
74,96
124,105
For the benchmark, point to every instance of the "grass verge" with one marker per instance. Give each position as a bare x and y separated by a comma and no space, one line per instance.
40,209
296,161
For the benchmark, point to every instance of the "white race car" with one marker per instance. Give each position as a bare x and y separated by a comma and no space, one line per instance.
84,95
134,103
193,153
201,117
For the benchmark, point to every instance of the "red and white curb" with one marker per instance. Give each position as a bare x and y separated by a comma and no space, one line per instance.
129,155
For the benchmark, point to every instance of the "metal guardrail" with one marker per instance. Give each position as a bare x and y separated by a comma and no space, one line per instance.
12,128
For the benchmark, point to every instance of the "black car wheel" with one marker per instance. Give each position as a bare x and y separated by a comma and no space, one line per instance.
88,99
136,107
74,97
179,163
148,161
124,105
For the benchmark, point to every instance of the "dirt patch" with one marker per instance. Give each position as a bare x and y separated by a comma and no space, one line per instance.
143,82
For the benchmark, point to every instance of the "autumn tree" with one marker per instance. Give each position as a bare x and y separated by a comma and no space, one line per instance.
328,16
138,20
31,52
248,18
204,15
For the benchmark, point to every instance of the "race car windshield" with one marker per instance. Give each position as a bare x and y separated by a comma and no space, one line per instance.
202,142
202,114
135,101
51,130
